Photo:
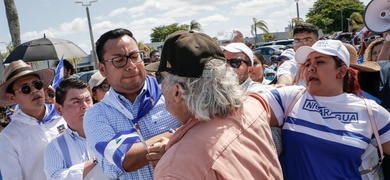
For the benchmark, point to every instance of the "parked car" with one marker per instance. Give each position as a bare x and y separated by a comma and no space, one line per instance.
268,51
84,76
285,42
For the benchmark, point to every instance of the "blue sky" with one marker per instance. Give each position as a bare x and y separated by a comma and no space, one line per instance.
65,19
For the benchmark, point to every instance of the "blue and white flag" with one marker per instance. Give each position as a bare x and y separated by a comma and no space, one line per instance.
59,76
117,147
360,34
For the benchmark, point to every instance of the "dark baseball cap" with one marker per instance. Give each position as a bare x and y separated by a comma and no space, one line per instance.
187,52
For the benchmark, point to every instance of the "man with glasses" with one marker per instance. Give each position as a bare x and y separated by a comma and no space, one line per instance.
133,103
240,58
99,86
304,35
154,56
33,124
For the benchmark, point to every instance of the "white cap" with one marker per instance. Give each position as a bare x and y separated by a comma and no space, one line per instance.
239,47
288,53
96,80
328,47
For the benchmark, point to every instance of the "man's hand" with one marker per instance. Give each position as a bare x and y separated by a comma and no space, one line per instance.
156,151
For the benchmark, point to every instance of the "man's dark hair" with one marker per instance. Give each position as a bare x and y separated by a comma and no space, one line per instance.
259,57
68,66
112,34
152,52
65,85
306,28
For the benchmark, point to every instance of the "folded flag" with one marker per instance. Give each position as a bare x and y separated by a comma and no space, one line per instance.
114,149
59,76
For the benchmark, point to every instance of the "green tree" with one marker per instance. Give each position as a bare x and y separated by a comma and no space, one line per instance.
10,48
268,36
160,33
331,15
194,25
258,24
13,21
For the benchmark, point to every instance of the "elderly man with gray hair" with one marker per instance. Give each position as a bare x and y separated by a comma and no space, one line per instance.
225,131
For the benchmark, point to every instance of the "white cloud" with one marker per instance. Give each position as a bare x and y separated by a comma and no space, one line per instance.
213,19
117,12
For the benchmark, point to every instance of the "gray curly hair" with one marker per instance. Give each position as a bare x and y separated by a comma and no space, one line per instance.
217,96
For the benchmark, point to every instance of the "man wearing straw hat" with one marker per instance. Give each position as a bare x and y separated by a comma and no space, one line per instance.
33,125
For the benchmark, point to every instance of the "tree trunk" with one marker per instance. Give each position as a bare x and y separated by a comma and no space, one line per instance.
13,21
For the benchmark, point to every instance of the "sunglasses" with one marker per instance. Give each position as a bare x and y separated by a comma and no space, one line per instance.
51,94
236,62
105,87
156,56
372,38
26,88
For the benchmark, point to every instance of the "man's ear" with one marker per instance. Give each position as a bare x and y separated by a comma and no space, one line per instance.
58,108
177,94
102,69
11,97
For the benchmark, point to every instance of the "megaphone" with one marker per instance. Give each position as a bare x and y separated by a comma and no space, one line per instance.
377,16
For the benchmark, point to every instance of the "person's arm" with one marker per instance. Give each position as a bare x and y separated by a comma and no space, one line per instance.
286,71
385,51
135,158
55,168
285,79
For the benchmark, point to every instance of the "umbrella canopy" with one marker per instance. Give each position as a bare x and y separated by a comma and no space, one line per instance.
45,49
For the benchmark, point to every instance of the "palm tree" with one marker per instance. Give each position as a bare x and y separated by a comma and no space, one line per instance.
194,25
13,21
258,24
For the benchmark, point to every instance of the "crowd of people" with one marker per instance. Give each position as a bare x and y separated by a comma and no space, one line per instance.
203,111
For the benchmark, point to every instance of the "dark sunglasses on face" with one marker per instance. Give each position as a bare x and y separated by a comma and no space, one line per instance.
156,56
372,38
26,88
105,87
51,94
236,62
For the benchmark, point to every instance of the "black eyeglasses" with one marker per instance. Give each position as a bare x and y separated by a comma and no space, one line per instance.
236,62
26,88
372,38
105,87
121,61
156,56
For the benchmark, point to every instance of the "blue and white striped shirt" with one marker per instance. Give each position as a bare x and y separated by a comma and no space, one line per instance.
56,160
102,122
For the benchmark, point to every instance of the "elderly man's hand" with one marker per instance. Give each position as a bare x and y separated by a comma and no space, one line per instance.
156,151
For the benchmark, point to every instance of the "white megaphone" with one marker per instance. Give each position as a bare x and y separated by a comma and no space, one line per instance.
377,16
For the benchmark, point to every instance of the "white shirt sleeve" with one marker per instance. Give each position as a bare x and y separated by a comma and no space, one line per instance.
289,67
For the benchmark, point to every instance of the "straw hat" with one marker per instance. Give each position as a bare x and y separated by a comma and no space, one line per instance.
96,80
17,69
366,66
